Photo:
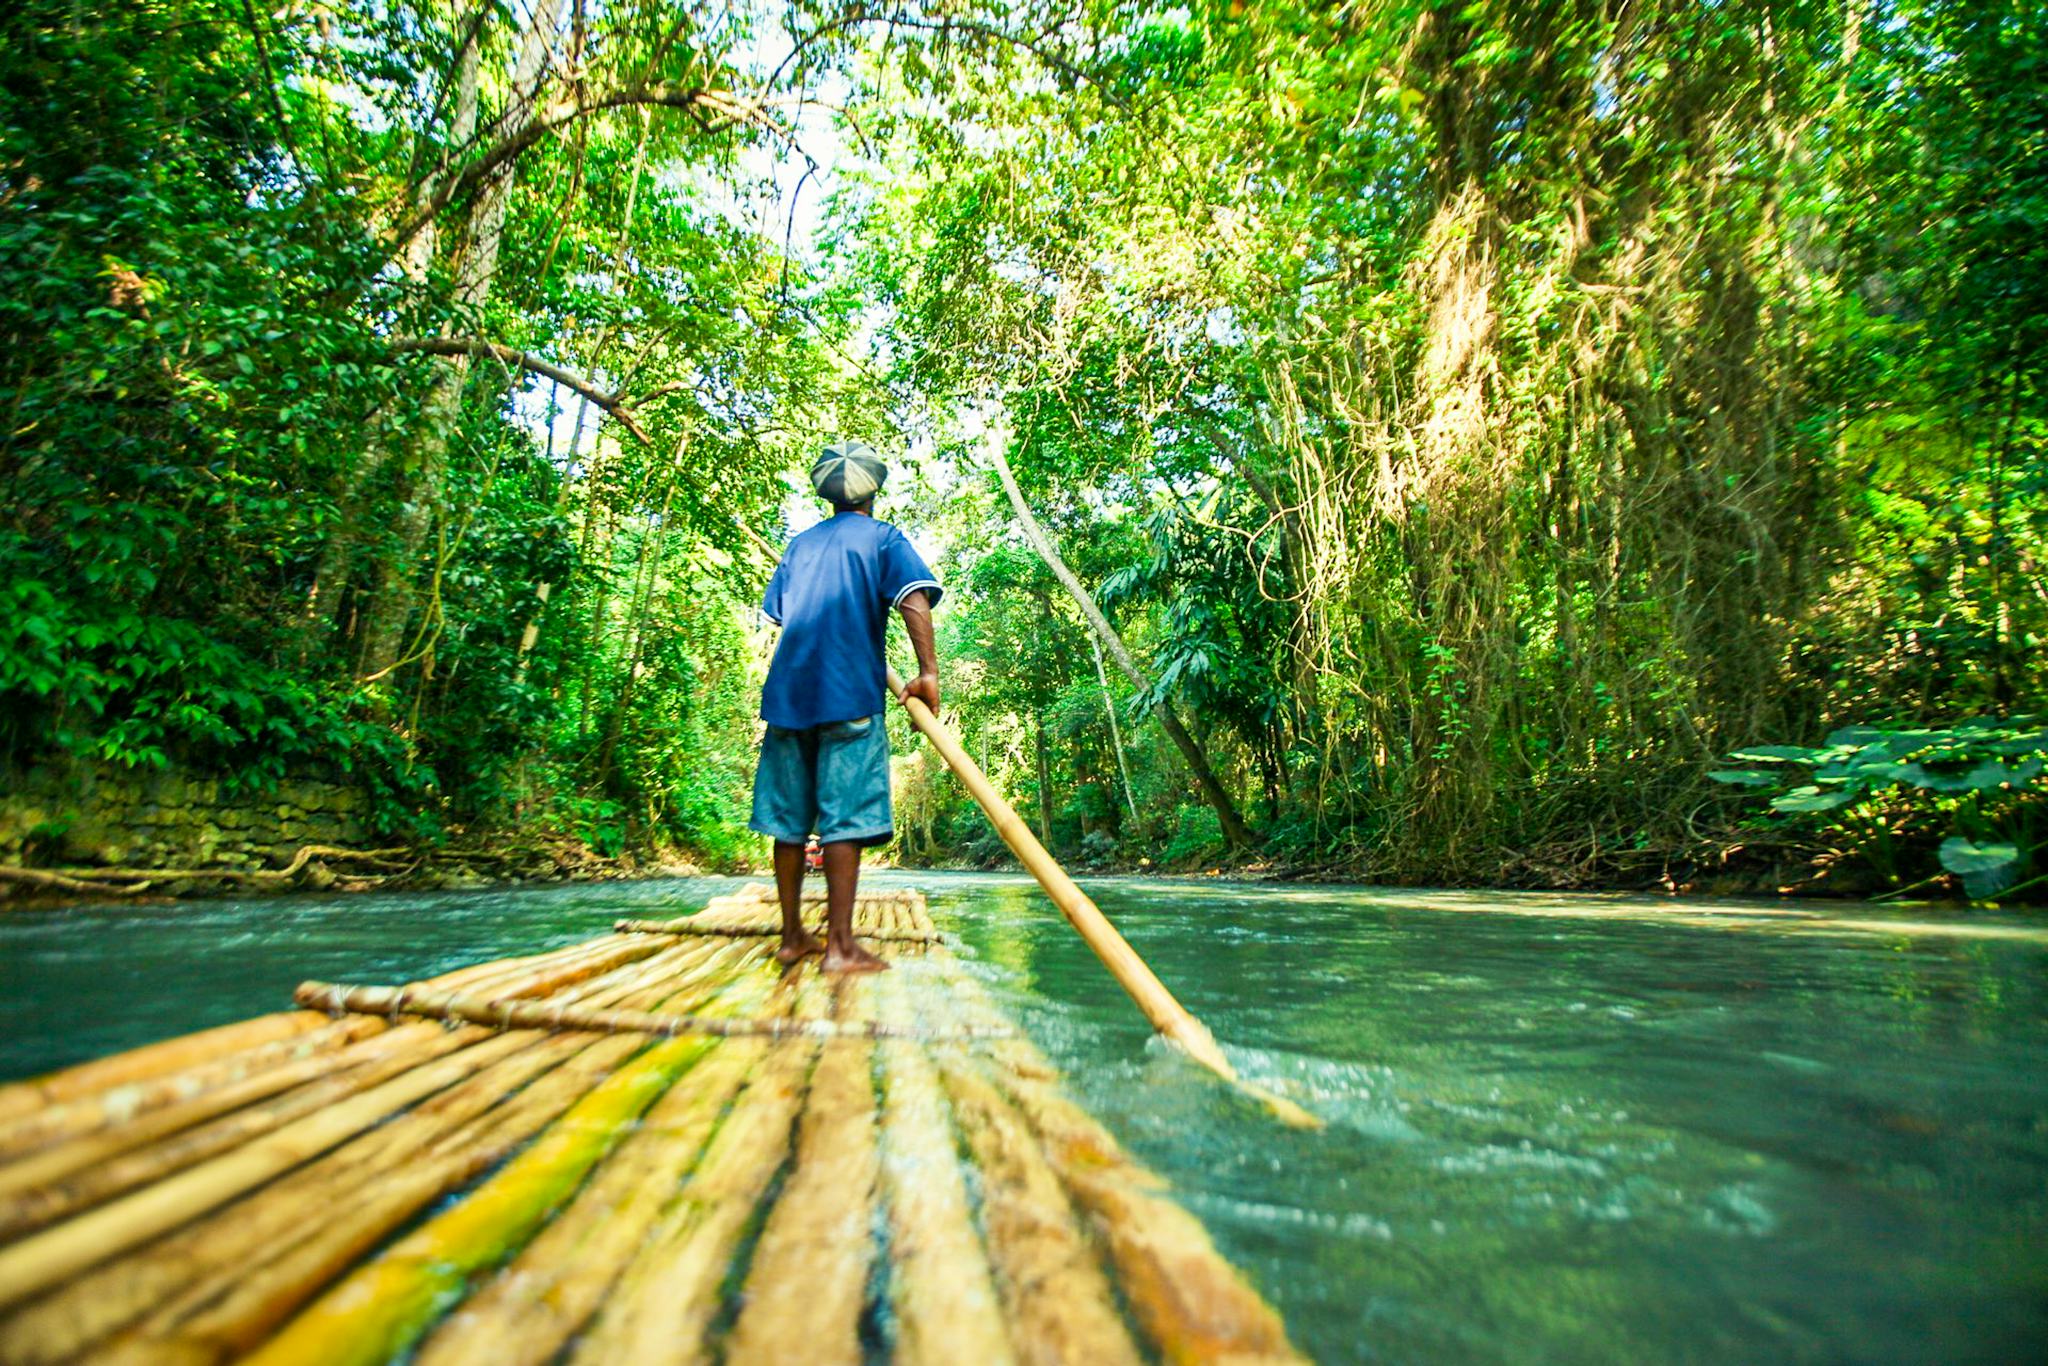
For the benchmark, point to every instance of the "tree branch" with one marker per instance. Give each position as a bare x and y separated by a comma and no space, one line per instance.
612,403
714,111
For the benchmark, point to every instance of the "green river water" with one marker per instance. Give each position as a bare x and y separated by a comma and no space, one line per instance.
1559,1131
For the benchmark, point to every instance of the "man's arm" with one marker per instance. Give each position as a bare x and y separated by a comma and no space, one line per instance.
917,621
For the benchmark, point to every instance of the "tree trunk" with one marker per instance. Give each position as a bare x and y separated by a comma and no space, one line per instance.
645,576
392,608
1116,738
338,555
544,590
600,603
1044,779
1234,830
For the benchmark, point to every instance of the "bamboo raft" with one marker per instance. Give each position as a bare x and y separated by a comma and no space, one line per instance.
657,1145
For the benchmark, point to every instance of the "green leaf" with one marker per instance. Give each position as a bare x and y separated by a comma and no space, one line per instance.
1959,855
1986,869
1778,754
1743,777
1812,799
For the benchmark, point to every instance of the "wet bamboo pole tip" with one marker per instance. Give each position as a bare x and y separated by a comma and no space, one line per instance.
1166,1013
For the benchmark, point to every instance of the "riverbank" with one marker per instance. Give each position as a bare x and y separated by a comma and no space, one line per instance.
550,860
325,868
477,859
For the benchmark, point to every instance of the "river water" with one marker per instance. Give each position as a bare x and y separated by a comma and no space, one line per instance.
1559,1130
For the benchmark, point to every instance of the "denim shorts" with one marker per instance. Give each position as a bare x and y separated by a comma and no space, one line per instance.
831,779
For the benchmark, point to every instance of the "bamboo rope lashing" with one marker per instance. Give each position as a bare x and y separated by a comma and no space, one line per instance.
395,1001
1167,1014
742,930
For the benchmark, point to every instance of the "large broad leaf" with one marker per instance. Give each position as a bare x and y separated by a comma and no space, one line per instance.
1984,776
1877,772
2032,742
1986,869
1743,777
1959,855
1777,754
1855,735
1812,799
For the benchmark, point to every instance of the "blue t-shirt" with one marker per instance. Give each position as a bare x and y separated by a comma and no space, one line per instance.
831,595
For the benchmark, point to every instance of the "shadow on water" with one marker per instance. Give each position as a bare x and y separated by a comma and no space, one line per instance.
1553,1136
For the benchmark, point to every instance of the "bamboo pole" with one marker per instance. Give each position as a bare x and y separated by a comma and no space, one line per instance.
116,1090
552,1288
264,1245
643,1274
552,975
1167,1014
125,1104
375,1312
741,930
48,1258
665,1299
25,1099
56,1254
212,1255
58,1182
393,1001
231,1311
920,914
941,1287
1058,1302
64,1178
807,1282
1194,1305
232,1297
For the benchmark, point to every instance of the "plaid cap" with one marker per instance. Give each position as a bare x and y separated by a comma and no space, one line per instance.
848,472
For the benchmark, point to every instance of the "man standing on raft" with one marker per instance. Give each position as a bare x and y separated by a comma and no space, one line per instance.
825,758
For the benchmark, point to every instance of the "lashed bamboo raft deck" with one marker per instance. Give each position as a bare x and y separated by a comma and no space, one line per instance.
337,1188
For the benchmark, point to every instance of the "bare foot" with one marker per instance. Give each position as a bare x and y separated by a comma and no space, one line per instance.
852,958
792,952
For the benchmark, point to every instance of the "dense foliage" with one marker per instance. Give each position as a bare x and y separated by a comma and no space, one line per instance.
1486,417
1473,422
274,506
